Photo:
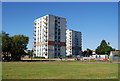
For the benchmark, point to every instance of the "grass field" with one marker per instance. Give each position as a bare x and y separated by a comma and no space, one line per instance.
59,70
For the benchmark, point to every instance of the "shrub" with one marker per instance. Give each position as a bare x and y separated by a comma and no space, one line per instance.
39,57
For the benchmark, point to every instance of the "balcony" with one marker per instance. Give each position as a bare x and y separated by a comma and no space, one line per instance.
34,49
34,30
34,34
45,54
45,35
46,40
34,37
45,32
45,18
45,27
35,23
34,26
45,49
34,42
45,23
34,45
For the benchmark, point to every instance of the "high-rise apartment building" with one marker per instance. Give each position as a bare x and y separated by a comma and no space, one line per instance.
50,36
73,43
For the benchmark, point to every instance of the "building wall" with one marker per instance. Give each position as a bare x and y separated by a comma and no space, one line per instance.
68,42
50,36
63,36
73,43
41,37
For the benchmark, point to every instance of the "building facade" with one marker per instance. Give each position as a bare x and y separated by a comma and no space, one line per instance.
73,43
50,36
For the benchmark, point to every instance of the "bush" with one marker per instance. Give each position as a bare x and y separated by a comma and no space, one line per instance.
39,57
117,55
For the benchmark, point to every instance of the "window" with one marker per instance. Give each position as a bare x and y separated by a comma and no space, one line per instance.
59,40
55,24
58,45
35,23
58,33
55,37
59,37
59,49
55,49
55,20
55,54
58,54
55,28
55,45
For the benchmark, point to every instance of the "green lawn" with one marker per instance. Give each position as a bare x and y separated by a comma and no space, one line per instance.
59,70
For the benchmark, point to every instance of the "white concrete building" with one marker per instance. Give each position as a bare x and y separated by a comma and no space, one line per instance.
50,36
73,43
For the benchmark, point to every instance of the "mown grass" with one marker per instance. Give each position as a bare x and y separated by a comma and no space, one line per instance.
59,70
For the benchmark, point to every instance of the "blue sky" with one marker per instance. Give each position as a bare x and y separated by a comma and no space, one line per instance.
96,20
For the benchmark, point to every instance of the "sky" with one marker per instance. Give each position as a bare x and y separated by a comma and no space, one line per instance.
96,20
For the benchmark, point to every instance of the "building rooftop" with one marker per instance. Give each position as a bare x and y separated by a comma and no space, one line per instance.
73,30
49,15
115,52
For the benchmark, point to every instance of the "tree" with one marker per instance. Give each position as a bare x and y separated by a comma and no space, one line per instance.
19,44
13,47
30,53
6,46
104,48
84,53
87,53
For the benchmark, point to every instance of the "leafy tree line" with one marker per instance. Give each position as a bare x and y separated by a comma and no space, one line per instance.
87,53
13,47
103,48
